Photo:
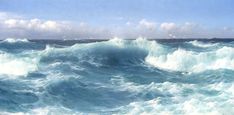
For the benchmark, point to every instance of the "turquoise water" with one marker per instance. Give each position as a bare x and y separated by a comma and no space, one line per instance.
186,77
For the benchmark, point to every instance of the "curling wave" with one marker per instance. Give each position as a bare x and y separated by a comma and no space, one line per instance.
116,77
189,61
118,51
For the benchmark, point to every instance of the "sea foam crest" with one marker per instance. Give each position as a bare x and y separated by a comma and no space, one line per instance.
181,103
201,44
49,110
14,40
189,61
16,66
188,107
181,59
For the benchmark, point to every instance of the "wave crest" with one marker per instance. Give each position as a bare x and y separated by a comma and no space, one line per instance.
189,61
201,44
15,65
121,51
14,40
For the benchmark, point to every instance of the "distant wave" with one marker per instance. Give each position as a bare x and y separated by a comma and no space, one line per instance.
14,40
201,44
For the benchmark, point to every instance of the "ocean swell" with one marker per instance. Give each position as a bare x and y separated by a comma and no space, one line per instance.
121,52
116,77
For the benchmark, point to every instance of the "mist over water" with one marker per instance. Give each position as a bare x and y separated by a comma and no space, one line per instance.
117,77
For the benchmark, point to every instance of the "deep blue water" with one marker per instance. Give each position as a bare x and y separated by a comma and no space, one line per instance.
161,77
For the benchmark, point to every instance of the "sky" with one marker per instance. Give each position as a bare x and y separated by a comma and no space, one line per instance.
79,19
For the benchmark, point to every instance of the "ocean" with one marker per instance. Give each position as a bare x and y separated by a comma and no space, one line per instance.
130,77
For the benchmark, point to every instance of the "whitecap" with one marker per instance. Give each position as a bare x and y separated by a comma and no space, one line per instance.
194,102
13,66
15,40
48,110
201,44
189,61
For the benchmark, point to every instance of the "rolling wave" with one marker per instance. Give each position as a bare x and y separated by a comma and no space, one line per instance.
150,52
116,77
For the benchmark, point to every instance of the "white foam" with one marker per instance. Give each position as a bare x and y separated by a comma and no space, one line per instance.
189,61
16,66
46,111
191,106
166,87
14,40
196,103
201,44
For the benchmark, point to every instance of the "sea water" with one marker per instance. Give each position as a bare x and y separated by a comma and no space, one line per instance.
184,77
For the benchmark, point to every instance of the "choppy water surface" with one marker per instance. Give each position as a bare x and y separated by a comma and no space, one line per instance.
117,77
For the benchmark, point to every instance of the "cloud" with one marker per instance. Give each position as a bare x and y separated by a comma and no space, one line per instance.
152,30
168,26
31,28
34,24
147,24
142,28
149,29
48,29
3,15
7,15
19,27
185,30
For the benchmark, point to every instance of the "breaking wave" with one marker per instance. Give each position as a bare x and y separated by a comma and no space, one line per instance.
116,77
13,65
141,50
202,44
13,40
189,61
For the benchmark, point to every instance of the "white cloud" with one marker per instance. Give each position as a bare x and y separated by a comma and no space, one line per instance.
128,23
44,29
148,29
34,24
7,15
3,15
184,30
15,26
142,28
168,26
147,24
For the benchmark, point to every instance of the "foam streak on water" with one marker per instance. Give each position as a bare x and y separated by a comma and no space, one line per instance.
116,77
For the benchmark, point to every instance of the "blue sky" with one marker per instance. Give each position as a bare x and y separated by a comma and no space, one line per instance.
210,14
